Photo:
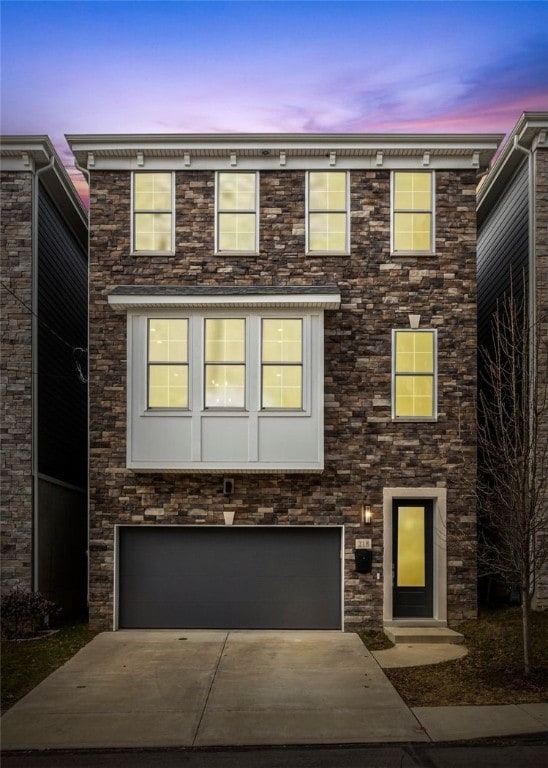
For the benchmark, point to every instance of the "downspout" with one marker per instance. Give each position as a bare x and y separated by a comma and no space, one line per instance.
531,294
34,366
531,258
86,174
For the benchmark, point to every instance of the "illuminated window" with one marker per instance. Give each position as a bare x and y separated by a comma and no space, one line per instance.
167,363
414,374
412,221
237,212
153,212
282,363
327,212
224,363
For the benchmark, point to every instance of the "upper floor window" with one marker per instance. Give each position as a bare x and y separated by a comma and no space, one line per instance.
237,212
413,212
153,212
167,380
414,374
327,198
282,363
224,361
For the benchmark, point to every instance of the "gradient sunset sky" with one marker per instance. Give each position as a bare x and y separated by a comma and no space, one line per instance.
103,66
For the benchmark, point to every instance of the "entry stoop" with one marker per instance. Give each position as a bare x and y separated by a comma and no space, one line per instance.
411,635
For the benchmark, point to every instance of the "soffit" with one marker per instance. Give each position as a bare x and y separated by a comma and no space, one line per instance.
105,152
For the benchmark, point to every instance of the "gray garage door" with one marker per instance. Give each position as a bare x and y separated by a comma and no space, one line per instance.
230,578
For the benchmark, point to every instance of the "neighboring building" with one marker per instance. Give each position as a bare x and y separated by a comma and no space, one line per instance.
513,238
43,239
282,331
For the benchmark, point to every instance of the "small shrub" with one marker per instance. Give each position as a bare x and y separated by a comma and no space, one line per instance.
24,614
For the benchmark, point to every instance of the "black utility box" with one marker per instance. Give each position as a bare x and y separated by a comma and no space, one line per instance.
364,560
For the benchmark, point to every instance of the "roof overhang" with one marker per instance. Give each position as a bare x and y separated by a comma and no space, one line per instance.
282,151
530,133
125,298
29,154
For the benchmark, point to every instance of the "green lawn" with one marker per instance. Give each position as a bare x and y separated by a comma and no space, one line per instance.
25,663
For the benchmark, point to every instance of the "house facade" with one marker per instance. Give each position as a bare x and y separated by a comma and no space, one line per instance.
513,247
282,379
43,249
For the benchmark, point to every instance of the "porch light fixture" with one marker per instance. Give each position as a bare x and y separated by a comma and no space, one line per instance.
366,514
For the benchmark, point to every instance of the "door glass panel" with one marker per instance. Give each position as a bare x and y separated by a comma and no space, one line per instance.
410,555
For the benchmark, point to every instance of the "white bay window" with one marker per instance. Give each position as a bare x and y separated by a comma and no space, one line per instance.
221,382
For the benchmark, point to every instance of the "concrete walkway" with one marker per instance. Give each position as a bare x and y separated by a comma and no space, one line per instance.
171,688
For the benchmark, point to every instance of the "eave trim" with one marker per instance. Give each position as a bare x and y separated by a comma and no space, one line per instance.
124,298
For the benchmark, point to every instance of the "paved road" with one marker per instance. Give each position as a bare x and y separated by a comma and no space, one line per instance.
517,754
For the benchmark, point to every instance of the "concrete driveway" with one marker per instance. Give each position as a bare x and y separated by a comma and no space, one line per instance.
169,688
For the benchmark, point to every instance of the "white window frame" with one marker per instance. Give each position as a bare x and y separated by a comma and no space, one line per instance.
432,250
434,375
253,363
346,250
300,364
134,251
244,363
170,409
255,250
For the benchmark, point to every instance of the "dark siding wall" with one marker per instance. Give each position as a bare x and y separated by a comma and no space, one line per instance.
62,306
502,249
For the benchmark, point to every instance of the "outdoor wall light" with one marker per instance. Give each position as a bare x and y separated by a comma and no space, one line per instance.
366,514
228,515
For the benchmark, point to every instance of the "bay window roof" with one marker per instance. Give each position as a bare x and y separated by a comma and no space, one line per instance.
126,297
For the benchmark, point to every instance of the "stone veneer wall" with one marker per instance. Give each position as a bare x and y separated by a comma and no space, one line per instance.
16,379
364,450
541,246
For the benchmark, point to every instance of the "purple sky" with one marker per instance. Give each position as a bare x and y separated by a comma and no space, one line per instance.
102,66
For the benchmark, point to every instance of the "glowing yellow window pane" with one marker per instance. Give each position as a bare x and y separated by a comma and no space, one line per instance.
282,386
282,341
225,386
412,231
414,352
225,340
327,191
152,232
414,396
413,191
327,232
237,191
411,556
168,386
152,191
237,232
167,340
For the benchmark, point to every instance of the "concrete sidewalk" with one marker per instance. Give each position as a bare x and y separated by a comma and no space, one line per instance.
168,688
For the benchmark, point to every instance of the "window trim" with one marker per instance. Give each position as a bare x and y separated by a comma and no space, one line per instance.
432,249
167,408
308,211
205,362
253,361
433,375
134,251
256,212
263,365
